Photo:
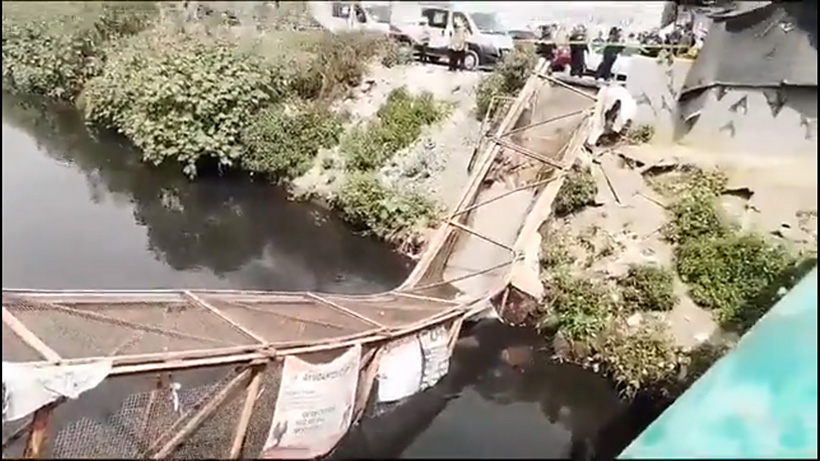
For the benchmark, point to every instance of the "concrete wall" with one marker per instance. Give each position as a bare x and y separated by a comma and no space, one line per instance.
655,87
741,119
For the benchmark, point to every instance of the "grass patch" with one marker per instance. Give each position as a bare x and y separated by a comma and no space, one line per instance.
283,141
648,288
506,79
577,192
400,122
387,213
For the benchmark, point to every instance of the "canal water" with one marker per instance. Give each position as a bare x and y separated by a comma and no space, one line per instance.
82,211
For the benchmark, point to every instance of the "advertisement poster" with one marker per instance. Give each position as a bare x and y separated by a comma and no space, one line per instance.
435,350
314,406
400,370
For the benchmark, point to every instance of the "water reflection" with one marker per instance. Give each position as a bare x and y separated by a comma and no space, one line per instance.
80,212
503,398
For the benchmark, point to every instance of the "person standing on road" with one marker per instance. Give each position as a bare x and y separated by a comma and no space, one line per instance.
546,46
611,51
424,41
577,51
458,47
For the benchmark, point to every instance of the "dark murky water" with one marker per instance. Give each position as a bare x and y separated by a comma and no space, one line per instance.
80,212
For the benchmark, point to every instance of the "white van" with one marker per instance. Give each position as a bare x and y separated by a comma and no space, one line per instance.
487,41
346,16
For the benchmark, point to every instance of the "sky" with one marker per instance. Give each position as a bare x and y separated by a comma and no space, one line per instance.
518,15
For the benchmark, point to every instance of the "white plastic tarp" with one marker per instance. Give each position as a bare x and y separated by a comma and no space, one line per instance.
314,406
400,370
26,388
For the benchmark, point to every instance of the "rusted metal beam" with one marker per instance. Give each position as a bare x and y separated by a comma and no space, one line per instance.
505,194
345,310
245,330
38,433
200,416
567,86
472,231
428,298
252,394
28,337
137,326
527,152
245,305
463,277
543,122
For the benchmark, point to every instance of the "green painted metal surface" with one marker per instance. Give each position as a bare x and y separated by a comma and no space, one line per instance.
760,401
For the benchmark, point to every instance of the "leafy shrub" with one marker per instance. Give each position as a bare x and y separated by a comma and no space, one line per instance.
396,54
554,252
488,88
578,191
285,142
727,274
696,214
734,274
181,96
648,288
367,203
53,48
339,61
641,134
579,307
506,79
400,122
645,359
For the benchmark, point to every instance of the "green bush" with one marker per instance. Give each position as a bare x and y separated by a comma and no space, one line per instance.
579,307
53,48
368,204
284,142
578,191
728,273
181,96
339,61
399,123
734,274
648,288
506,79
645,359
696,211
641,134
488,88
396,54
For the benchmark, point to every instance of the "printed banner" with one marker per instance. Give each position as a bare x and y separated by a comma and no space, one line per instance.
314,406
400,370
435,349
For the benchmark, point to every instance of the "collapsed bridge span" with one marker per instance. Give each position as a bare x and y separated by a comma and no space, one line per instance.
230,374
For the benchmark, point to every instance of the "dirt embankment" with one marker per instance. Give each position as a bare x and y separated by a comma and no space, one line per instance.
623,227
437,162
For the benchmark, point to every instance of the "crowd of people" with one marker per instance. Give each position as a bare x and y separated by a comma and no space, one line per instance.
570,49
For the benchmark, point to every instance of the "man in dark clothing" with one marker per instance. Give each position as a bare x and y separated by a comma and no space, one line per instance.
547,47
577,48
611,52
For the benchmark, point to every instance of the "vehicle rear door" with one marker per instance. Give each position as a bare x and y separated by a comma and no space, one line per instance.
438,20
